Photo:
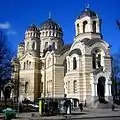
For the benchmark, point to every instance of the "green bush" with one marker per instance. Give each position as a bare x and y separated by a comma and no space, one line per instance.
9,114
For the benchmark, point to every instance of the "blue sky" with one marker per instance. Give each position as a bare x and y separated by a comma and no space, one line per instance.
17,15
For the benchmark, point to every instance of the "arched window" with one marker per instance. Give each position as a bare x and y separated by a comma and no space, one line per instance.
46,33
31,35
84,26
74,86
33,46
43,33
53,46
28,34
78,28
94,26
29,65
27,46
46,45
74,63
34,34
99,60
26,87
50,33
94,60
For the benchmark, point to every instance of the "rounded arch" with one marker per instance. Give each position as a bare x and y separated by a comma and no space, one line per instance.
46,33
100,45
97,50
53,45
101,88
102,75
75,51
46,45
33,46
97,58
77,45
48,54
84,26
94,26
26,87
101,78
50,33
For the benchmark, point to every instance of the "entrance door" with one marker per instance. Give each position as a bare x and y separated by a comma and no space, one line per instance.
101,89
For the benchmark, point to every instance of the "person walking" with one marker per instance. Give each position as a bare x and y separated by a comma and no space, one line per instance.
81,106
113,107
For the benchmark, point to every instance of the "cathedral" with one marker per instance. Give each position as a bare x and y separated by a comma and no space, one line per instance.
50,68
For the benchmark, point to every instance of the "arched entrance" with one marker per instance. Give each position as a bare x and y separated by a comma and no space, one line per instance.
101,89
7,92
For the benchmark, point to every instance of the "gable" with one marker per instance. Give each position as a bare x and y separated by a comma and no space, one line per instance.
27,56
78,46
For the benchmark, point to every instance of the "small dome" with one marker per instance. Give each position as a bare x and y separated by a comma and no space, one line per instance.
21,44
87,12
32,27
50,25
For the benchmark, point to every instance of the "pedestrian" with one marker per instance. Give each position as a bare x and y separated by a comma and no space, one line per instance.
81,106
113,107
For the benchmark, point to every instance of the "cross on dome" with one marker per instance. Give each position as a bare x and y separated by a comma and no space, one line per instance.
49,15
87,6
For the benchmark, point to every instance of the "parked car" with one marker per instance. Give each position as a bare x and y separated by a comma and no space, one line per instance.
29,105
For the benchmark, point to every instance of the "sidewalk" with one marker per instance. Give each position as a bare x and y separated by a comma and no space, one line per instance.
86,114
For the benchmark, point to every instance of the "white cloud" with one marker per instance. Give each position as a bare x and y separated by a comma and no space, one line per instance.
11,32
5,25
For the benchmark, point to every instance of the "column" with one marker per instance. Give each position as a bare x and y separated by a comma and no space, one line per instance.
94,89
81,28
109,87
106,89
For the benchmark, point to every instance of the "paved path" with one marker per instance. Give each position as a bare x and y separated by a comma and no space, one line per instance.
97,114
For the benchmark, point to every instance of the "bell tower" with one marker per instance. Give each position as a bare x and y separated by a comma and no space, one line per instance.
88,24
32,40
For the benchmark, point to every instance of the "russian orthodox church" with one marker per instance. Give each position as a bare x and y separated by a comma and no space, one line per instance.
50,68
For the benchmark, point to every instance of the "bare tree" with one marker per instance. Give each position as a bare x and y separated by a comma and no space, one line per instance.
5,63
116,75
118,24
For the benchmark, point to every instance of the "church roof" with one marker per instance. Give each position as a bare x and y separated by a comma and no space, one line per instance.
87,12
90,42
32,27
63,49
50,25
